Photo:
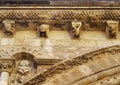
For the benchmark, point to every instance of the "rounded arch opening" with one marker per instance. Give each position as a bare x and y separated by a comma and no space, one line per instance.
23,55
25,66
20,56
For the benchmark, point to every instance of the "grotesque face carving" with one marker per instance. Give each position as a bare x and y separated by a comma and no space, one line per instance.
8,26
43,30
113,24
24,67
112,28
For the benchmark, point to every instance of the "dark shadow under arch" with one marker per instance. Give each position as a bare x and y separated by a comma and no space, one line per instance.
24,56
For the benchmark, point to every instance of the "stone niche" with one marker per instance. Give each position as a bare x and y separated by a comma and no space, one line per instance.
25,67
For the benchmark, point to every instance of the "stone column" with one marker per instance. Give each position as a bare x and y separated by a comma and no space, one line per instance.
4,78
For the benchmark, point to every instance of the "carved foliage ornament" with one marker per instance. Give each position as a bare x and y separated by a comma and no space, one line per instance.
6,65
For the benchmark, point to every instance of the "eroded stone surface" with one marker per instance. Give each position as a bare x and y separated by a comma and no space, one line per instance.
91,71
54,48
79,67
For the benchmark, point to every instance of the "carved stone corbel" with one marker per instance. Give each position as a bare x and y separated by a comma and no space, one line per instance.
94,21
77,28
9,27
43,30
112,29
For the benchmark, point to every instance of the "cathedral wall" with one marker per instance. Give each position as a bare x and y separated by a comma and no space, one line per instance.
59,45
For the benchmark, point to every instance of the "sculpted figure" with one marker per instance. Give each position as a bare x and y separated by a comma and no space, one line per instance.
112,29
43,30
24,70
94,21
76,25
9,27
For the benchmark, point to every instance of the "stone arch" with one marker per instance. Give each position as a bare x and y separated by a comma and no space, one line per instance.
8,52
24,56
25,66
83,70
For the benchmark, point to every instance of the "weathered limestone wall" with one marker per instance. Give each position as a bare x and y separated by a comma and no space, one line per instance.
100,67
89,72
58,45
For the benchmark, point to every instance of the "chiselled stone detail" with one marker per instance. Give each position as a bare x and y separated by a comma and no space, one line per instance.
9,27
66,65
23,71
43,30
114,79
7,65
112,29
43,49
76,25
64,14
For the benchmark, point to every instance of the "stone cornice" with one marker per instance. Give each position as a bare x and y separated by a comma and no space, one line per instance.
64,13
56,7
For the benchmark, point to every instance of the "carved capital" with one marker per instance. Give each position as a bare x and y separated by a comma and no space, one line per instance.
7,65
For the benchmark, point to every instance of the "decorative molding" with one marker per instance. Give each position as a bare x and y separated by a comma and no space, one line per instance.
69,64
46,61
7,64
108,80
65,13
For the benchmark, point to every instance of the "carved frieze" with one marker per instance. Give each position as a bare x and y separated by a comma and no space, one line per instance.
68,13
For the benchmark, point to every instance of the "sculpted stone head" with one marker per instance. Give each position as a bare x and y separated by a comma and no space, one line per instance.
24,67
113,24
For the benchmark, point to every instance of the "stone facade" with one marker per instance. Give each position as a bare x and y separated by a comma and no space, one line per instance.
29,59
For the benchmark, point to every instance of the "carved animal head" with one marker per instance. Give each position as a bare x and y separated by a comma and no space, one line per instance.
113,24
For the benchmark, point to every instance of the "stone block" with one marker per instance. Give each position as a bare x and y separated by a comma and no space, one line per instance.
104,43
93,35
85,69
7,41
32,42
87,43
116,42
